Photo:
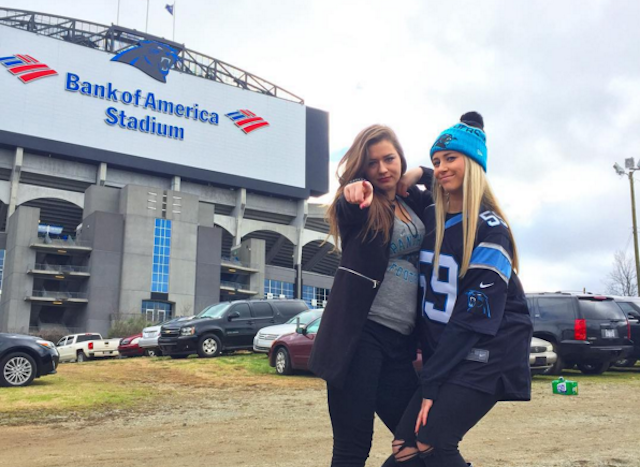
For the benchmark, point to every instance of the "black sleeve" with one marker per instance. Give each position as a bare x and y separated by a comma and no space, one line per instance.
350,214
427,177
420,199
455,344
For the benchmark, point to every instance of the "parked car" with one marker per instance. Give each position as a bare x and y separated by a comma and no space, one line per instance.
225,326
150,335
149,340
24,358
631,307
129,346
83,347
541,357
291,352
586,330
267,336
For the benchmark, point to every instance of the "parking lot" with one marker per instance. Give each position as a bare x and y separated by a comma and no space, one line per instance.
234,411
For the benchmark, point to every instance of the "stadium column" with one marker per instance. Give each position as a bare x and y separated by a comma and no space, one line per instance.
15,311
101,179
252,253
15,181
175,183
182,210
299,222
238,215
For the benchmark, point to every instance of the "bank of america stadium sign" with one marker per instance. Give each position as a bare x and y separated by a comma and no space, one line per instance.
118,118
28,69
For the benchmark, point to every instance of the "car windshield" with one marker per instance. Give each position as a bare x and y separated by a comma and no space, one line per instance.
213,311
305,317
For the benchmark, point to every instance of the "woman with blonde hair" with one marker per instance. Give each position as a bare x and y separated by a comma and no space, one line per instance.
476,329
365,346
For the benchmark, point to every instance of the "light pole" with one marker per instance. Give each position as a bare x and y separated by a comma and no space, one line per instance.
631,167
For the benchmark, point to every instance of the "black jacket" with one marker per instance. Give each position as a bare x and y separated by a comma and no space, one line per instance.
352,295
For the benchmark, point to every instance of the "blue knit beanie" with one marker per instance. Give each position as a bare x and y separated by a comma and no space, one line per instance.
466,137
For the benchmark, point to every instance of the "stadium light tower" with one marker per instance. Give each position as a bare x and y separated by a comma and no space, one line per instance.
631,167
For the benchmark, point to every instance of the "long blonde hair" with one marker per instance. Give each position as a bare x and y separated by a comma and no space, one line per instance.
352,166
476,192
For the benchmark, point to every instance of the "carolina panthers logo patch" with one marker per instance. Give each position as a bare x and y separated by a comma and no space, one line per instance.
151,57
477,302
443,141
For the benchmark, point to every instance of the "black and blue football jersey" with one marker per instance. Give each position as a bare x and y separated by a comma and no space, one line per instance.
476,329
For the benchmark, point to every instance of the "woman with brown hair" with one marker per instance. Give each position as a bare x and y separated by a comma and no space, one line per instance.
365,347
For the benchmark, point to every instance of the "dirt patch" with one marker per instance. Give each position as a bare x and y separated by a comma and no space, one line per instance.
202,417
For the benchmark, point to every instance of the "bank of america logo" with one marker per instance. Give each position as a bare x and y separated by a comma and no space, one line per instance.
26,68
247,121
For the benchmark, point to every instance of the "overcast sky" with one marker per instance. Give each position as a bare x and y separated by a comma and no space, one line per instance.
558,84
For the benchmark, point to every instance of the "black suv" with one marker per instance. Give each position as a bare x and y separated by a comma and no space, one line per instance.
24,358
631,308
589,331
225,326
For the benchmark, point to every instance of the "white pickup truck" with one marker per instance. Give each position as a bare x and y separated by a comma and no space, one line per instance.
83,347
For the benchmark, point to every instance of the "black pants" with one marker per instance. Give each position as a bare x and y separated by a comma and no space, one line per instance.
453,414
381,380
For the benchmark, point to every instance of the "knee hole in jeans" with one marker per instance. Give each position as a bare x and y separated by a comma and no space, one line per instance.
402,452
425,450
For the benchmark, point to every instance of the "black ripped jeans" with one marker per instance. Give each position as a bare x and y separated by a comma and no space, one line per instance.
453,414
381,380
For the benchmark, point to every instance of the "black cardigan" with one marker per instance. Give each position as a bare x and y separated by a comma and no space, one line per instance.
351,296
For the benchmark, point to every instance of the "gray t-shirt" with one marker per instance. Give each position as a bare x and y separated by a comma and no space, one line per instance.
396,301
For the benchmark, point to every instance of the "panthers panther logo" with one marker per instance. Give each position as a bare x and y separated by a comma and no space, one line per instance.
151,57
478,302
443,141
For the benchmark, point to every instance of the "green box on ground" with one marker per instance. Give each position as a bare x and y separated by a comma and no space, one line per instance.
564,387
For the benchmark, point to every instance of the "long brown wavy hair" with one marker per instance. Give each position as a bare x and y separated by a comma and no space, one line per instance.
352,166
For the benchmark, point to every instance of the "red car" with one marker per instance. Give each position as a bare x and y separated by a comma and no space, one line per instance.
291,352
129,347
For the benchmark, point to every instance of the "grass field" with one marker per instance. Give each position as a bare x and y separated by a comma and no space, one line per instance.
98,387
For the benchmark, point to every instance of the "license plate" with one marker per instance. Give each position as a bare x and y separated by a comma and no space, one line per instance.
540,361
609,333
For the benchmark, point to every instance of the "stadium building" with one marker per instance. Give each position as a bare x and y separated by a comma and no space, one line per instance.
140,177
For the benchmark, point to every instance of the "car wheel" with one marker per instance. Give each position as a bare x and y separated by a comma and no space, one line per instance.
209,346
559,365
283,362
81,357
150,353
625,362
17,369
593,368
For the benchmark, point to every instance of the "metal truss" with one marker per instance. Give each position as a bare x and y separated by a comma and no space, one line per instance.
114,39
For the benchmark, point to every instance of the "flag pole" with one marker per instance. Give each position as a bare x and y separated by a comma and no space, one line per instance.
146,28
118,15
174,20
